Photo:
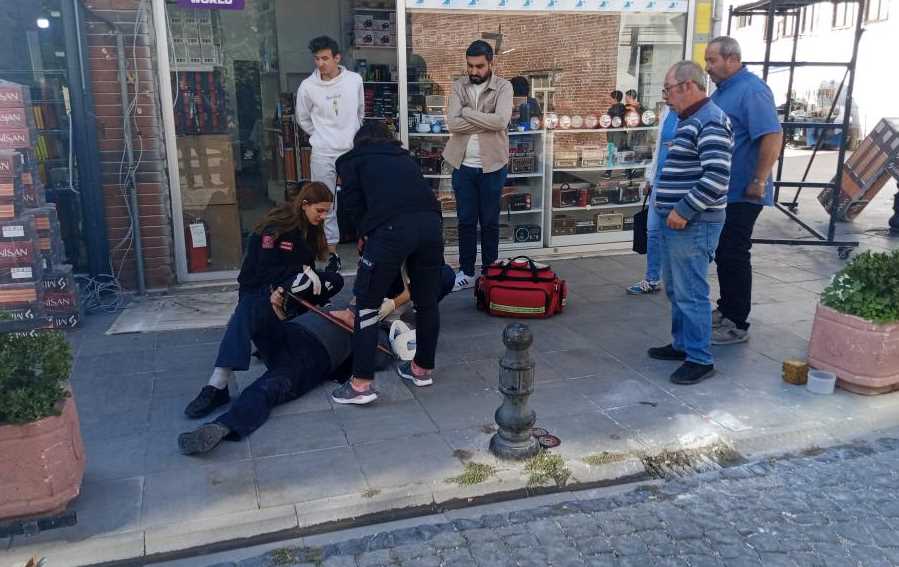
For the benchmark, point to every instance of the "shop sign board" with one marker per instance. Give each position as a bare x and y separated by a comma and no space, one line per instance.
554,5
213,4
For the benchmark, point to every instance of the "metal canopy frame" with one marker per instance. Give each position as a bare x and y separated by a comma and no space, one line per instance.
770,9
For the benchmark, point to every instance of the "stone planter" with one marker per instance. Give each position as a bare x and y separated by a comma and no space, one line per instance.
863,355
41,464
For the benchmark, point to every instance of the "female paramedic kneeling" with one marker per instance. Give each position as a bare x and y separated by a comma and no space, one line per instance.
399,219
286,242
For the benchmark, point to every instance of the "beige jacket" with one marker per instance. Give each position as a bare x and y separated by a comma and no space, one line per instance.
490,121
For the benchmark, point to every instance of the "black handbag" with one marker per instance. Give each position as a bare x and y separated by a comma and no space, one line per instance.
641,228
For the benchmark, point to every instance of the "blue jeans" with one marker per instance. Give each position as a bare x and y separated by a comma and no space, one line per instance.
478,202
686,255
653,257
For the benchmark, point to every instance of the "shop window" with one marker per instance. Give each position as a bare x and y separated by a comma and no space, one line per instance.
235,74
33,56
581,149
877,10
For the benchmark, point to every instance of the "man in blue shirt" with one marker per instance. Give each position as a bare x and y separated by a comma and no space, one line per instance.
749,104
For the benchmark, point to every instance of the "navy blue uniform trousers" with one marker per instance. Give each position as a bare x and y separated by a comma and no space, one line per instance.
417,239
292,372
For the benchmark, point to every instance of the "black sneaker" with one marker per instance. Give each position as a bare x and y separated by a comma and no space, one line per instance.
206,401
202,439
346,394
667,352
692,373
333,263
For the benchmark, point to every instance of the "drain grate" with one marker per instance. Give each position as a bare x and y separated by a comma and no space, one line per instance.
686,462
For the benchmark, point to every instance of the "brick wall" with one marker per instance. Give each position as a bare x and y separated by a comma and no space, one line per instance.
147,133
581,50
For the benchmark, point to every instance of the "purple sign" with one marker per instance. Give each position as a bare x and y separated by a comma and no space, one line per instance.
213,4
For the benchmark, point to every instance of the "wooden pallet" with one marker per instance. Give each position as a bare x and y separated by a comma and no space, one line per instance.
867,170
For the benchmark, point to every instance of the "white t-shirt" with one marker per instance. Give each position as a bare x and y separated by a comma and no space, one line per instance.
473,150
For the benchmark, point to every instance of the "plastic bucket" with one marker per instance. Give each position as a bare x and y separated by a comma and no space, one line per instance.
821,382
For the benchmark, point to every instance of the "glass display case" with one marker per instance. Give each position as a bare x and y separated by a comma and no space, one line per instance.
521,219
598,183
576,171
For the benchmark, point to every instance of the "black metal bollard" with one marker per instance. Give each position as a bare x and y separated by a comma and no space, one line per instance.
516,383
894,220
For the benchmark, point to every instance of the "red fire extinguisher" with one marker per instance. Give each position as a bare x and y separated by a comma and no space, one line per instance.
196,237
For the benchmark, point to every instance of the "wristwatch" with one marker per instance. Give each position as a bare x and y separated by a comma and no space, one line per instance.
756,181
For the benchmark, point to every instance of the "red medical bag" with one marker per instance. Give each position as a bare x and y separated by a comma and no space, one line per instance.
519,287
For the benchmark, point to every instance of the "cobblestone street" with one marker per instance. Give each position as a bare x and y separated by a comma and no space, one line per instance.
837,507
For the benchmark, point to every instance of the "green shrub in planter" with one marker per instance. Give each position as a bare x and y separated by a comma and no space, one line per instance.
868,287
34,370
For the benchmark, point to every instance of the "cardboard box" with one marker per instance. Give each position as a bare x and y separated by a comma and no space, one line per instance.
15,118
13,95
62,321
10,165
23,319
225,241
206,166
15,138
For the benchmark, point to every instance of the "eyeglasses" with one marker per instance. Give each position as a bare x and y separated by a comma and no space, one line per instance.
667,89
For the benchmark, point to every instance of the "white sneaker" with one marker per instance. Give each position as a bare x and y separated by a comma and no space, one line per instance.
463,281
717,317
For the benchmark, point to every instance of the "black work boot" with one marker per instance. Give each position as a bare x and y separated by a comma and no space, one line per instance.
692,373
206,401
667,352
202,439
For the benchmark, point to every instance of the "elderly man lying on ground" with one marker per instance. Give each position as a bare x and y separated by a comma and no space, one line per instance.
300,354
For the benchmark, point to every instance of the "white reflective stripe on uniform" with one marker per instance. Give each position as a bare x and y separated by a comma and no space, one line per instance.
368,317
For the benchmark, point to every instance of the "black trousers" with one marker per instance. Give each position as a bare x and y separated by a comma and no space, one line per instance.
290,375
417,239
734,264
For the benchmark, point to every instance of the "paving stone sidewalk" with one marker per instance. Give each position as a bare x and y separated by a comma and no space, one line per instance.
313,463
836,507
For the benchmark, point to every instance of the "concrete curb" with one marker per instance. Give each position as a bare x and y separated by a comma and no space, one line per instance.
327,515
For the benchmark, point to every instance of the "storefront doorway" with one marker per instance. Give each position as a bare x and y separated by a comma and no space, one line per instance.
234,74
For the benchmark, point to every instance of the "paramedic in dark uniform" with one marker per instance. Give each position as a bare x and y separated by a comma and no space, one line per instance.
396,213
287,241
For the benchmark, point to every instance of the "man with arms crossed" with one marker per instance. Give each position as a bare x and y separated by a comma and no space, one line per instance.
330,108
477,116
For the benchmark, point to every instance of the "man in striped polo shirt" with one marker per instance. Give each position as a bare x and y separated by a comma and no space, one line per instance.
690,199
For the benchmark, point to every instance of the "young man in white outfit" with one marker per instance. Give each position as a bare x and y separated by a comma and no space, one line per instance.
330,107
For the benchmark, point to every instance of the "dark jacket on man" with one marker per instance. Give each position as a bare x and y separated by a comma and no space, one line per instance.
379,182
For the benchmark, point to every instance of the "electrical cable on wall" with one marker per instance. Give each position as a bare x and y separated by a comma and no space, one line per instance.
105,292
